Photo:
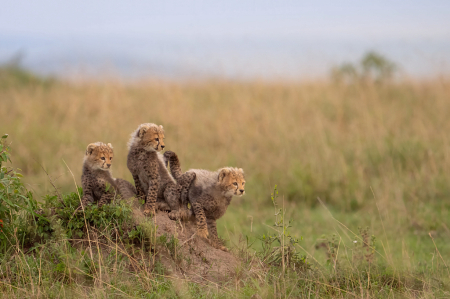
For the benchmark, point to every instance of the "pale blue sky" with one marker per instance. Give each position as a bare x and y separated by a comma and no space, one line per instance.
258,37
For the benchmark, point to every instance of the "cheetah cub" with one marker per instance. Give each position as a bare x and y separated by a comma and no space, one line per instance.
96,176
153,181
210,195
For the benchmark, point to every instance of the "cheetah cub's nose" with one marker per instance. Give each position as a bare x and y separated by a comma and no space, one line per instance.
109,165
163,146
242,191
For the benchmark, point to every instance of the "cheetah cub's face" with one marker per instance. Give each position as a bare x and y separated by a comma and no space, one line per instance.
99,156
232,181
151,137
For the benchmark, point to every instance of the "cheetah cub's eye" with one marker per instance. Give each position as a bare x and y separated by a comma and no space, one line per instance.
103,158
110,158
235,183
156,139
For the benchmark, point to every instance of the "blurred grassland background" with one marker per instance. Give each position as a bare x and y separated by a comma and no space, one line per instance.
376,153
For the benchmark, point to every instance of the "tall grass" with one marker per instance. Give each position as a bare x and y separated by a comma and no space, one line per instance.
313,139
375,155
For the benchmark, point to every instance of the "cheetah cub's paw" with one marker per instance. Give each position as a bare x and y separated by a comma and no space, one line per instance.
149,210
217,245
149,213
223,248
174,215
203,233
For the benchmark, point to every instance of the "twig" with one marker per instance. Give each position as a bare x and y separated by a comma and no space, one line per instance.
52,183
191,238
82,208
439,253
382,223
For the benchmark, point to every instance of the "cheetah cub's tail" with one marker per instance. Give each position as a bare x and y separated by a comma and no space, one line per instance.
125,188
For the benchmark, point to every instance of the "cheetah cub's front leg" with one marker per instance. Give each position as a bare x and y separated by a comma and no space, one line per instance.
202,228
214,236
152,192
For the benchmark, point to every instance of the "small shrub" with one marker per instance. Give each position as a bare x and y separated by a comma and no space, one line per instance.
364,249
115,215
16,202
278,249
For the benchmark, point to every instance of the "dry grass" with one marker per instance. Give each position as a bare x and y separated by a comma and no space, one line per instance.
313,139
370,152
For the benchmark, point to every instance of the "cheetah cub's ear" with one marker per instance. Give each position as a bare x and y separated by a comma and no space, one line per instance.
241,170
90,148
223,173
110,145
142,131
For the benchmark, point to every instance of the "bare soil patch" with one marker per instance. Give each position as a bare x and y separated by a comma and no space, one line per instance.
192,257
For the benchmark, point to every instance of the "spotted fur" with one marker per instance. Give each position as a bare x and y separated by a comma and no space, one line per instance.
210,195
184,180
97,180
153,181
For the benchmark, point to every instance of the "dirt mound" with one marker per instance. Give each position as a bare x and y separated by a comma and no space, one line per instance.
190,256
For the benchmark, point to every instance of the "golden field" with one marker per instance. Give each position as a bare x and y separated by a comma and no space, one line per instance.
377,155
312,139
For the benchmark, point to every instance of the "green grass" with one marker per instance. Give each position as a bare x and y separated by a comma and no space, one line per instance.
376,154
